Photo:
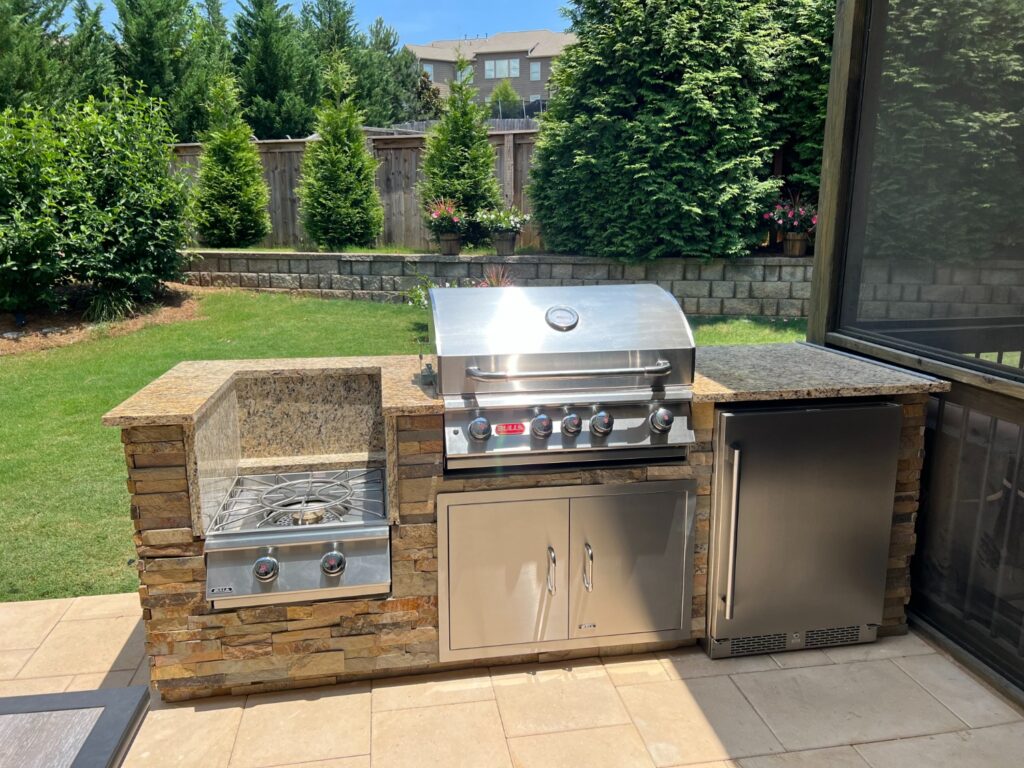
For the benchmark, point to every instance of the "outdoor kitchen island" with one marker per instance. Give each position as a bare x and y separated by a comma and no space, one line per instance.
199,428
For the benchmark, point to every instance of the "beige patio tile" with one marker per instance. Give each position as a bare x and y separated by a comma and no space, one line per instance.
883,648
1000,746
104,607
796,659
716,764
696,721
96,680
90,645
685,663
26,625
359,761
11,662
432,690
614,747
632,670
562,697
954,687
303,726
836,757
466,735
34,685
841,704
187,735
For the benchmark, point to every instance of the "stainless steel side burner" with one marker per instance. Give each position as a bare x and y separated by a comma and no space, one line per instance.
299,536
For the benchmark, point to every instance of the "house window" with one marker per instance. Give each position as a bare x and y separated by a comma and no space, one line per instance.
429,69
466,73
535,71
501,68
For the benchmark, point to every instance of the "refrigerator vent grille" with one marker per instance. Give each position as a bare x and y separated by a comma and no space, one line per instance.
740,646
816,638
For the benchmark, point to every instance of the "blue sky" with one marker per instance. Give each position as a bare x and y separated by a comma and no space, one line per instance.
421,22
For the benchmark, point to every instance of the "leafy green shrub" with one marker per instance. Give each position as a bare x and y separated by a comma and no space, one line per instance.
654,144
86,198
231,197
505,102
458,162
338,197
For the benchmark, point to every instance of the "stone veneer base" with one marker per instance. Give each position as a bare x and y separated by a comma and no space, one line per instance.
196,652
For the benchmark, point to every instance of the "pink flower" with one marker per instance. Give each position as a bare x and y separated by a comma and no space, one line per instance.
767,215
791,214
455,219
814,219
433,215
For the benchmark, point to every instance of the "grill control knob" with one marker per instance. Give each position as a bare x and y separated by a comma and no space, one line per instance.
479,428
601,423
541,426
572,424
266,568
661,420
333,563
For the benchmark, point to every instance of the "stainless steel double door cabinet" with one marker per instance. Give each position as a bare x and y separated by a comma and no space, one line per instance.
556,568
801,520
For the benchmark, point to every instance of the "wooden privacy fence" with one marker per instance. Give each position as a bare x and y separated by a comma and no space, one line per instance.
398,173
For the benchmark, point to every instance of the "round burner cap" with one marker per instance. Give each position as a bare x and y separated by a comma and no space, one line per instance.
562,318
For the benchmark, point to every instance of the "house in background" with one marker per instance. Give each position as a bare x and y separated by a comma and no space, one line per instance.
522,58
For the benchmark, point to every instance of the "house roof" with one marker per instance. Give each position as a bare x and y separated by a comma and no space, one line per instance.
537,43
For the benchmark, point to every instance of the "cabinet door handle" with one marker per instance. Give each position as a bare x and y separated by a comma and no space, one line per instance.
552,564
588,568
734,516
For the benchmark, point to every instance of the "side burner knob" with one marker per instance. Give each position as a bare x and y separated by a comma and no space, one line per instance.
266,568
572,424
479,428
541,426
601,423
661,420
333,563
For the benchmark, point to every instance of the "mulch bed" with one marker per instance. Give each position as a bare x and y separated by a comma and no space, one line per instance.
60,329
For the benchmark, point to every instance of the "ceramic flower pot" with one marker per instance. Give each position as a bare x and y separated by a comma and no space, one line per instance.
795,244
504,242
450,243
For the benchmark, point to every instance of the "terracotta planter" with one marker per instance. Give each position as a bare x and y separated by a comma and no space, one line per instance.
450,243
795,244
505,242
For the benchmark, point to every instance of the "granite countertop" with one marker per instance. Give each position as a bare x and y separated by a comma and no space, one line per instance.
724,374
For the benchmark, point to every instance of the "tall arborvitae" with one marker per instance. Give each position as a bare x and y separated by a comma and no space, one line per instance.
231,196
655,142
338,196
458,163
386,76
208,55
153,36
30,70
277,71
88,55
330,27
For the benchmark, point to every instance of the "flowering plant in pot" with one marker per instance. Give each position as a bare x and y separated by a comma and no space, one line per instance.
797,221
504,225
446,223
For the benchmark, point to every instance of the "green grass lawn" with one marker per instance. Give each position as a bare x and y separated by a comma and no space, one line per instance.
63,500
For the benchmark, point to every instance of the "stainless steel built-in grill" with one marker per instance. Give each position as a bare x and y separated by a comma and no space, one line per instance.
299,536
533,376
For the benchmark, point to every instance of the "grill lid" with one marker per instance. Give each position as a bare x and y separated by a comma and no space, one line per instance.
554,338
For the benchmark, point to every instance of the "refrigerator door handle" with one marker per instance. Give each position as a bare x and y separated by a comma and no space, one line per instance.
734,514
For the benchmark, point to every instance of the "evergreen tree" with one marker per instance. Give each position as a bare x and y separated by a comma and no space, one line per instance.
458,163
330,26
427,99
208,56
231,196
30,70
338,196
153,37
654,144
88,55
386,76
276,70
505,102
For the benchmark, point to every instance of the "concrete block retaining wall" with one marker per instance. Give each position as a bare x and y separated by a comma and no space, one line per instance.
766,286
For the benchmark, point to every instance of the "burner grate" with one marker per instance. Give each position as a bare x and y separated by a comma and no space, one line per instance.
342,497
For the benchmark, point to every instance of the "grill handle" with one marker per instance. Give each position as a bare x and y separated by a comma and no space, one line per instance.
734,520
660,368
